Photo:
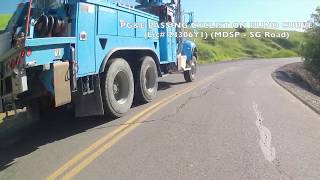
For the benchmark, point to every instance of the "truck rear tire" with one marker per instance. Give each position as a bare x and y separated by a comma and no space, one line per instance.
190,75
147,80
118,88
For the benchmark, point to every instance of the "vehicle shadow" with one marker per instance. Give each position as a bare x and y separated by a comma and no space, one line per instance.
54,127
167,85
61,126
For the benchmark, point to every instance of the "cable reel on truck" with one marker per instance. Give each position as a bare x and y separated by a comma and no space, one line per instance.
42,26
49,26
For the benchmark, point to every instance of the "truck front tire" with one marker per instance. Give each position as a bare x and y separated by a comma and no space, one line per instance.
147,80
118,88
190,75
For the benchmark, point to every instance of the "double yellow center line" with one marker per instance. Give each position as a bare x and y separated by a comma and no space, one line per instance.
88,155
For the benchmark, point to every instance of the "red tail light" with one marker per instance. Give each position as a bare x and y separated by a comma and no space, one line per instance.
29,52
22,53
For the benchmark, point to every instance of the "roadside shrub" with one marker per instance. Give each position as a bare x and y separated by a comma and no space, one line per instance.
310,49
241,29
271,43
211,41
206,52
285,43
284,53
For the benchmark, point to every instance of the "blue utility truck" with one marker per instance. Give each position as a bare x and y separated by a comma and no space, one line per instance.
96,56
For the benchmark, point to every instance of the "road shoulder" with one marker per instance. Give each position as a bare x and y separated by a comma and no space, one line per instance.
300,83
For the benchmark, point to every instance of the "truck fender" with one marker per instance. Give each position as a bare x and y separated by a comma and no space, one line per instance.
148,51
189,49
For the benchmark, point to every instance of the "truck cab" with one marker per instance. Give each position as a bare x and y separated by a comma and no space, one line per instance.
78,52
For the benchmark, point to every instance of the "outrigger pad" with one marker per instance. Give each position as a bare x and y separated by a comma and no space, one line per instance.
61,82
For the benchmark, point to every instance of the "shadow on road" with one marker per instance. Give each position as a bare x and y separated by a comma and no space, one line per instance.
57,126
167,85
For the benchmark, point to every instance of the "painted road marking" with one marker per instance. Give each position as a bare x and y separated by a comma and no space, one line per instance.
106,146
267,149
85,157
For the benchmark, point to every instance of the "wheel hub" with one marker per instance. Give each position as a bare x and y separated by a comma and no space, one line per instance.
116,89
150,79
121,87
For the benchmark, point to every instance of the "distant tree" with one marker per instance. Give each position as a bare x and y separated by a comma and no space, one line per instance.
241,29
310,49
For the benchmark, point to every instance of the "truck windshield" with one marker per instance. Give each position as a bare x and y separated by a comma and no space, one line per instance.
11,15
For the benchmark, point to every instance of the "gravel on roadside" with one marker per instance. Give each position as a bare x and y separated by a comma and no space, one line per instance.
301,83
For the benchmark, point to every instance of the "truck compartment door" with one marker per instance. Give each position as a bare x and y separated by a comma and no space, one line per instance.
166,46
86,28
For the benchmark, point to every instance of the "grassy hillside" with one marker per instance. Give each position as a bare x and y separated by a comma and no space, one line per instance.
221,49
4,18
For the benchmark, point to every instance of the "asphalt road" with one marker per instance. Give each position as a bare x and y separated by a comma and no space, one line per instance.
234,122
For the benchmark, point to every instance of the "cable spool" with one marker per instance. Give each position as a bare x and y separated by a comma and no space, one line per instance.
58,27
48,26
42,26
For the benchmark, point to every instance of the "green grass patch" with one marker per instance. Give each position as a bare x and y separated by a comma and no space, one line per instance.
4,19
222,49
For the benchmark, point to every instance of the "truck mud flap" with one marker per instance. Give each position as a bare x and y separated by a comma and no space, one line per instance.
89,104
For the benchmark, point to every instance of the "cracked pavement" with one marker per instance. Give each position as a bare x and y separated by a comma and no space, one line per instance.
213,132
